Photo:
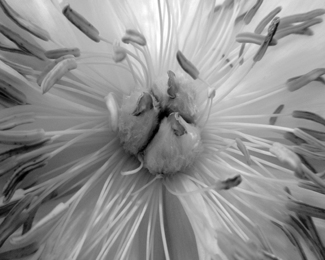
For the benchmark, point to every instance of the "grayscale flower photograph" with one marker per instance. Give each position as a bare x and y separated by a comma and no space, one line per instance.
162,130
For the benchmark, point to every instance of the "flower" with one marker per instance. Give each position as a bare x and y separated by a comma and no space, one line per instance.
162,129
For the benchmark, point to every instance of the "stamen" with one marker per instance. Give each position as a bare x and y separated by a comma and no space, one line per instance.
308,116
306,31
250,14
241,51
293,138
260,27
44,223
296,83
297,18
32,210
57,73
305,234
21,172
6,48
22,23
296,28
316,134
119,53
187,66
172,85
144,104
58,53
16,217
133,171
230,183
292,238
248,37
16,120
12,93
308,222
286,156
305,209
302,133
19,252
271,31
307,164
22,43
278,110
81,23
211,95
50,66
176,125
314,178
113,110
24,137
134,37
22,69
241,146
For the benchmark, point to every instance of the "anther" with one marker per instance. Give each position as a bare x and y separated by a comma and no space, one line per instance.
296,28
22,69
19,253
229,183
10,49
21,172
306,31
178,128
12,93
305,209
308,116
260,27
172,85
24,24
286,156
16,120
50,66
45,222
113,110
81,23
293,138
23,137
314,133
250,14
132,36
16,217
309,224
57,73
119,54
187,66
57,53
248,37
22,43
144,104
297,18
241,146
271,31
302,133
296,83
278,110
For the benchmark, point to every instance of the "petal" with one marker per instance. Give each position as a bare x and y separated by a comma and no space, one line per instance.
179,233
197,212
47,15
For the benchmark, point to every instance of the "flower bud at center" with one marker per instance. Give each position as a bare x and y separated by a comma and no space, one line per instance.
158,126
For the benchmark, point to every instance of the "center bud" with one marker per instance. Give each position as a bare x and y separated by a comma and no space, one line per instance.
159,125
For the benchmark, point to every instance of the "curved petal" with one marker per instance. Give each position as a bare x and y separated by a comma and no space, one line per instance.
180,237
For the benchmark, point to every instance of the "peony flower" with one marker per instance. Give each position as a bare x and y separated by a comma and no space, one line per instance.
166,129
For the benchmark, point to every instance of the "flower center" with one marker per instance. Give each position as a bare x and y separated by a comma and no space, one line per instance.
159,125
